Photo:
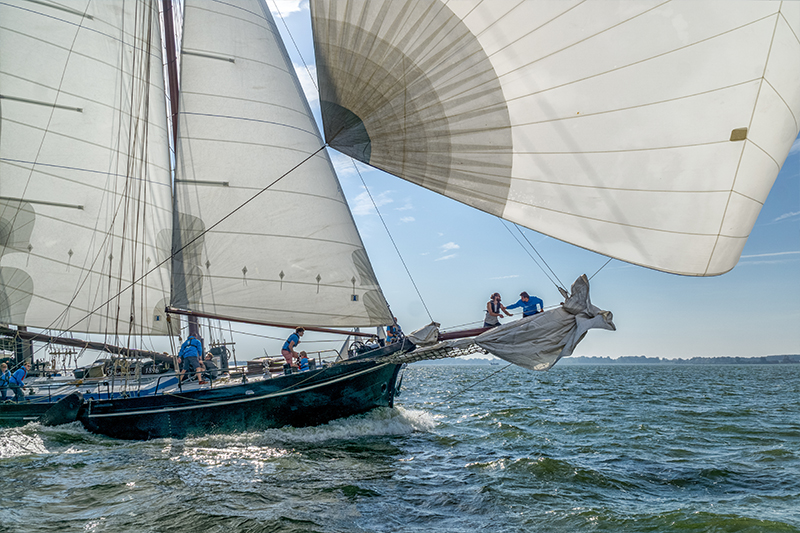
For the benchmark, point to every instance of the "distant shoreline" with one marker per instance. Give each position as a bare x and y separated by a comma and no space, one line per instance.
793,359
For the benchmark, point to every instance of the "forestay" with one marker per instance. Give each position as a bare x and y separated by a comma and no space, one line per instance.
647,131
85,198
293,254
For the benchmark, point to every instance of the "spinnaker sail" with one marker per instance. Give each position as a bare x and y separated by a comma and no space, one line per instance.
646,131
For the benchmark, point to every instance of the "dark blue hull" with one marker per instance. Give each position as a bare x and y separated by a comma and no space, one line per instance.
302,399
63,411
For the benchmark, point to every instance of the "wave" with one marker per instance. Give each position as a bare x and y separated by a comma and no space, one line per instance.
383,421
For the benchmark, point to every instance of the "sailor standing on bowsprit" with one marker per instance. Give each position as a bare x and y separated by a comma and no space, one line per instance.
530,304
493,311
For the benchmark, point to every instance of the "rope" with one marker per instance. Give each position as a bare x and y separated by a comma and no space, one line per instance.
396,249
558,285
297,48
601,268
479,381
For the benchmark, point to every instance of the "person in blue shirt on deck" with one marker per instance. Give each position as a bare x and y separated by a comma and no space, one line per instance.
191,352
5,380
530,304
303,362
393,332
291,343
17,382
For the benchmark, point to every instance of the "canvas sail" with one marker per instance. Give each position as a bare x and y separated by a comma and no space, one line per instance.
292,255
85,198
647,131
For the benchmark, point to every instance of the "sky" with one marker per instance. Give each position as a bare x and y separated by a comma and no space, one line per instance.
457,256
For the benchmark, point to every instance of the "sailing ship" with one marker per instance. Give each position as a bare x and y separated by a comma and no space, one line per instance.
635,152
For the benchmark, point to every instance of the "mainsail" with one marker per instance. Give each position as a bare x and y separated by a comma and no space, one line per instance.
85,192
647,131
292,255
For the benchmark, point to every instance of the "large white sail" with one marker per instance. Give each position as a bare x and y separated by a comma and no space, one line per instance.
647,131
292,255
85,199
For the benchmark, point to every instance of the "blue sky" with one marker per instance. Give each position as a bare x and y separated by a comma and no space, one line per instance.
458,256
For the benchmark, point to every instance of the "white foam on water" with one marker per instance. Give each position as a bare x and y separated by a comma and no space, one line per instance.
378,422
21,441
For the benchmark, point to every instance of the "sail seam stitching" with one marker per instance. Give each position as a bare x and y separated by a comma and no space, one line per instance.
645,60
744,144
623,224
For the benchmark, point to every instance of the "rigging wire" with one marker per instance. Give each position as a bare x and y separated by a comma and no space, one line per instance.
601,268
396,249
297,48
475,383
558,285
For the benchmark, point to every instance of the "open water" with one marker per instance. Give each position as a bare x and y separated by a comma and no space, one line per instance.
578,448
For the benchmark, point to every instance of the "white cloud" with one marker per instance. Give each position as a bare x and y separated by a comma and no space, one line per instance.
406,220
506,277
363,204
284,8
406,207
308,80
787,215
773,254
444,258
449,246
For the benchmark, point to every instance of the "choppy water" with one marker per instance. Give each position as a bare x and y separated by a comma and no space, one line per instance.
596,448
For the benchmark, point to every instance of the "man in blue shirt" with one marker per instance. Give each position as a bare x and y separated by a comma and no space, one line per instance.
17,382
191,351
530,304
288,350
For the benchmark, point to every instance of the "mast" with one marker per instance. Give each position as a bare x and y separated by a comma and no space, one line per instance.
174,99
172,65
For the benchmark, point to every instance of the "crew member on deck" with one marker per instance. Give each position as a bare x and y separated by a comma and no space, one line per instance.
393,332
17,382
210,367
191,352
291,343
302,362
493,311
530,304
5,380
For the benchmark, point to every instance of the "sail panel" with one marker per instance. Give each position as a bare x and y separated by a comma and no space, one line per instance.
646,131
85,197
289,253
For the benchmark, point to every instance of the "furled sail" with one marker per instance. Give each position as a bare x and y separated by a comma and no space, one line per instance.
85,193
646,131
292,255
